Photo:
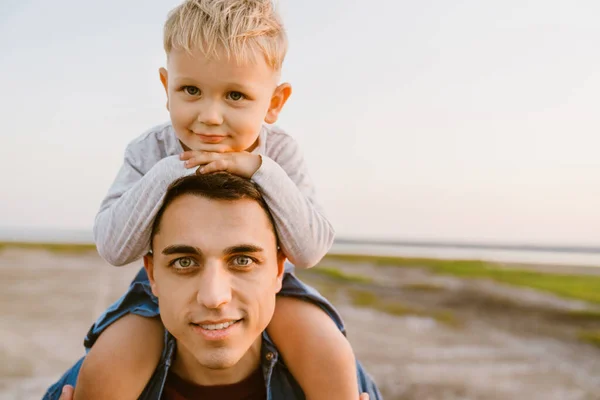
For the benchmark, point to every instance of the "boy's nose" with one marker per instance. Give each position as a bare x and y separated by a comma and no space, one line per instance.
210,114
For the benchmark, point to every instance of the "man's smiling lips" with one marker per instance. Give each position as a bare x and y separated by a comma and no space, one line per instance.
215,330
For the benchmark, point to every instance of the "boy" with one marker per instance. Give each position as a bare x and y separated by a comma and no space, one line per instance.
222,82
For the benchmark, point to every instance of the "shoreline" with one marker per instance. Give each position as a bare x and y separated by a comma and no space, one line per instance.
63,246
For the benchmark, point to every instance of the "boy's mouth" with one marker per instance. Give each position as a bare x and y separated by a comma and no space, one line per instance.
210,138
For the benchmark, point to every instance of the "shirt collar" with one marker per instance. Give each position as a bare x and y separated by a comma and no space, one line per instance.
268,354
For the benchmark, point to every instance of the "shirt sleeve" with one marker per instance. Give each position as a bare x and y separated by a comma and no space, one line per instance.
304,232
123,225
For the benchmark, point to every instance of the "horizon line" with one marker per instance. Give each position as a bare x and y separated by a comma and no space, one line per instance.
84,236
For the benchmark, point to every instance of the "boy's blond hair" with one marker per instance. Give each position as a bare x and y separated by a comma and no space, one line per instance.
240,28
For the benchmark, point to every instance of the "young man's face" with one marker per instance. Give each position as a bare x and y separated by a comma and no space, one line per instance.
218,102
215,270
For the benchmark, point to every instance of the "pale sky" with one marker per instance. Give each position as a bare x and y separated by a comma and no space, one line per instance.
471,120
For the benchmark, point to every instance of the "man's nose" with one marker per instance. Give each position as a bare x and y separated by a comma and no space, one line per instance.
209,113
214,290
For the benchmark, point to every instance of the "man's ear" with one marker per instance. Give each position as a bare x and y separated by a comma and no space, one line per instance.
281,94
164,78
280,268
149,266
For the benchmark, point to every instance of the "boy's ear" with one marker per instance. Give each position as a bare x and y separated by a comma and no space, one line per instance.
149,266
164,75
281,94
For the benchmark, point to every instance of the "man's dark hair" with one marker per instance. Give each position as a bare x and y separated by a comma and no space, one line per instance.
215,186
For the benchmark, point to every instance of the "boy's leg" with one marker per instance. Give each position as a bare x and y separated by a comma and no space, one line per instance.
125,346
312,345
122,360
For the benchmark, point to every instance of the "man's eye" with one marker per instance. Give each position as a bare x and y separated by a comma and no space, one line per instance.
242,261
191,90
183,263
236,96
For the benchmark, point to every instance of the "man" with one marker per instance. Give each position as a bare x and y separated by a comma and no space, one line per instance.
216,268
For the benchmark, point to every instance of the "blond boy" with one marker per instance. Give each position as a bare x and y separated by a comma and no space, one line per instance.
224,60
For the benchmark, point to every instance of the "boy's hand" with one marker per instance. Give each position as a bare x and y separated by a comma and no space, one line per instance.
243,164
67,393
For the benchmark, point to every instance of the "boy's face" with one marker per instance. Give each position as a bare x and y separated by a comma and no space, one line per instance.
216,104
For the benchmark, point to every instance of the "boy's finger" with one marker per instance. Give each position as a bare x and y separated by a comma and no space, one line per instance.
201,158
67,393
364,396
193,163
219,165
204,148
186,155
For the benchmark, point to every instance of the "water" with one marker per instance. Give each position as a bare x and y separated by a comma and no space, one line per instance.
548,256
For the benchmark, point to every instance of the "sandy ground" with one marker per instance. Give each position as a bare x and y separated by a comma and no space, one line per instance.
493,341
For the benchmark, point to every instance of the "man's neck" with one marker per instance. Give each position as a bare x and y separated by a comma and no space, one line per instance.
187,367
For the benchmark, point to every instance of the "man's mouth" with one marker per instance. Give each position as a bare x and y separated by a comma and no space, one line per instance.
216,330
217,326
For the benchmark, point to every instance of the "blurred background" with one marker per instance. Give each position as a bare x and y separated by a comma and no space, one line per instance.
454,146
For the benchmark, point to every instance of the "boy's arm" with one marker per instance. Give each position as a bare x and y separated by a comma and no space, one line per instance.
304,232
123,224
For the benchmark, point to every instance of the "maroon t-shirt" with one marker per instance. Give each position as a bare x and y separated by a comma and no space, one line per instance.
251,388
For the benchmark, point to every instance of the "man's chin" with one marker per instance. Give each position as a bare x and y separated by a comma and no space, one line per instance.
217,359
227,355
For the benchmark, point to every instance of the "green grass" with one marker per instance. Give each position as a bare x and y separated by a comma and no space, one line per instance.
591,337
580,287
53,247
584,315
338,275
378,260
424,287
366,299
362,298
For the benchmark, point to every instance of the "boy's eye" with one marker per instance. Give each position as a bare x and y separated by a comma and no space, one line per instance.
191,90
242,261
183,263
236,96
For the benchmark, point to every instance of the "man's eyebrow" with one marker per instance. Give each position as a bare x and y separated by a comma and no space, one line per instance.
243,248
181,249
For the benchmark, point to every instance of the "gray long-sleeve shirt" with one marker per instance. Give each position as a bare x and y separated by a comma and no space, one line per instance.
123,225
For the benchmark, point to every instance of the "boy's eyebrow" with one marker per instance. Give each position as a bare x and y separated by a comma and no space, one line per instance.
181,249
239,85
243,87
243,248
